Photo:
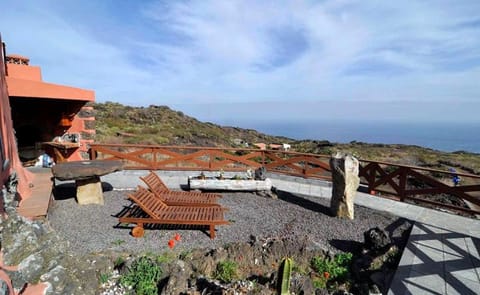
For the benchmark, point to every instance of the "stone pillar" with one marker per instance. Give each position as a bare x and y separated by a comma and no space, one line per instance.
89,191
345,182
87,135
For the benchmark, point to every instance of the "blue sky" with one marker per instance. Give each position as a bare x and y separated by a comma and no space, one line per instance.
235,61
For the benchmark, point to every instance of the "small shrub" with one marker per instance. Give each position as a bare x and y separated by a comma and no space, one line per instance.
186,254
119,263
143,276
104,277
226,271
166,257
118,242
328,269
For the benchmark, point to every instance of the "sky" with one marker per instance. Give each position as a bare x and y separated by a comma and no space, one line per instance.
238,61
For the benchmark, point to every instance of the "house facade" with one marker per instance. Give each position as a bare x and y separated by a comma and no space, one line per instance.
48,118
38,119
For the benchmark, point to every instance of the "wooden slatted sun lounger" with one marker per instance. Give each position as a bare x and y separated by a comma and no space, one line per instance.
154,211
156,185
184,199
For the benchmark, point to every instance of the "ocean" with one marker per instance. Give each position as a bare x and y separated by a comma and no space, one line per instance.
443,136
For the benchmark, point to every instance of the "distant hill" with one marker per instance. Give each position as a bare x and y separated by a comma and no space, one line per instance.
117,123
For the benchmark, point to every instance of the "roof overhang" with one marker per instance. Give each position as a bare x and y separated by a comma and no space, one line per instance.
38,89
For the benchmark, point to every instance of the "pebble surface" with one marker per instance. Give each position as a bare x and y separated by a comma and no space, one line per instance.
92,228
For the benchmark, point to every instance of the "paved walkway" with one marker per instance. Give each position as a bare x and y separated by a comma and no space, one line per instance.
441,256
442,253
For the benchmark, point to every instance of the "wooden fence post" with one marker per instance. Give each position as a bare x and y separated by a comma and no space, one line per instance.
402,183
210,161
93,153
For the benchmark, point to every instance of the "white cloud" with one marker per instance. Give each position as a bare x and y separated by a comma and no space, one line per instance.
188,52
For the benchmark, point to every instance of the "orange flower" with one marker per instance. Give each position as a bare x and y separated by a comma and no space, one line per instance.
171,244
326,275
177,237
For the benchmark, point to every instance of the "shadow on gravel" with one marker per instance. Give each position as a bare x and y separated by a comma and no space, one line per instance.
133,211
398,231
302,202
65,191
347,245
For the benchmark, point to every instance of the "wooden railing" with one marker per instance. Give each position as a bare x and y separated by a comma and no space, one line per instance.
417,184
212,159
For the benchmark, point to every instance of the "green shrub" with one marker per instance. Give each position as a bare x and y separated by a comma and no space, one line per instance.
143,276
104,277
226,271
328,269
119,263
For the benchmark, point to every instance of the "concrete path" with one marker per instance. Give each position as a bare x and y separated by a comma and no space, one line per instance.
441,256
442,253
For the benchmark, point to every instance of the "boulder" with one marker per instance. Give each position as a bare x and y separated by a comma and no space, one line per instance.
42,259
31,267
345,181
78,170
376,239
261,173
178,278
4,289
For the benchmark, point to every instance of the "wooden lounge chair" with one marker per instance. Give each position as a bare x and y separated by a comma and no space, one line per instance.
172,199
156,185
154,211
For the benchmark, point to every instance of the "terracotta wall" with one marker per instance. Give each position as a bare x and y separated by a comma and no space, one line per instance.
33,73
39,110
9,160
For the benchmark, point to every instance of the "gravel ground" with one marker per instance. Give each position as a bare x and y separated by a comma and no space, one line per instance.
92,228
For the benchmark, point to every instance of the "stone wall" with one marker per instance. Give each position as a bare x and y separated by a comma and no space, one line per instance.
33,255
87,134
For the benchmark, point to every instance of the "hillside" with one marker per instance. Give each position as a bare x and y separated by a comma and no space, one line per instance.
117,123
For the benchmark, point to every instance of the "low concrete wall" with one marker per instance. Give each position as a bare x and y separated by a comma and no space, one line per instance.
130,179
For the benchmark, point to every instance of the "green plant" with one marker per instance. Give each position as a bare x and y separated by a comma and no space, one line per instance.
165,257
331,269
284,275
104,277
391,258
118,263
186,254
143,276
319,283
118,242
226,271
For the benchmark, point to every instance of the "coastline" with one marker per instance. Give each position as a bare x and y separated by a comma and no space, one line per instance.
441,136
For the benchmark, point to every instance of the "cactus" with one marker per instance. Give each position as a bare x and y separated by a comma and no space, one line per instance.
284,273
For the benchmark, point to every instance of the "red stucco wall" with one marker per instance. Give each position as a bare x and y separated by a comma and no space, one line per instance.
25,83
23,72
8,151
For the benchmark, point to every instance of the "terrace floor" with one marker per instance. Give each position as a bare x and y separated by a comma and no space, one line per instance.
37,205
443,252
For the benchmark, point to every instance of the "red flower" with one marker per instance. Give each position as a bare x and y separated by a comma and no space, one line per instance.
177,237
326,275
171,244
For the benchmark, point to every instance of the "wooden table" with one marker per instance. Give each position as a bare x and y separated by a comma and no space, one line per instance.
61,150
87,177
